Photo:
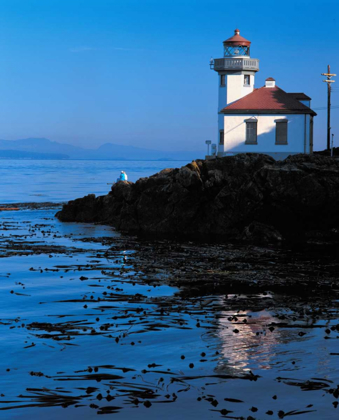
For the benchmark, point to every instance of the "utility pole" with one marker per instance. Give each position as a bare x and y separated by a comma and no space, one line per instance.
328,81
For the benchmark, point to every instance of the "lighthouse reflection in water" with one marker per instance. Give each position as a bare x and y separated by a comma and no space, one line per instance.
251,339
245,340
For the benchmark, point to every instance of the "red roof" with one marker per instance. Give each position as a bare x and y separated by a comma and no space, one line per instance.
237,40
300,96
267,101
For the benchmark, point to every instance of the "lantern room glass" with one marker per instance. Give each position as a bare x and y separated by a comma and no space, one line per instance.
236,51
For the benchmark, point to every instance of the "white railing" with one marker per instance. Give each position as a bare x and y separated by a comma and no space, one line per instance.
235,64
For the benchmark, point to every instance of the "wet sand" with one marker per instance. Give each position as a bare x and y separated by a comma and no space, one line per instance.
93,322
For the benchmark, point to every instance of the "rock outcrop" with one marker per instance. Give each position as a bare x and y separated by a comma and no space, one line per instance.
247,196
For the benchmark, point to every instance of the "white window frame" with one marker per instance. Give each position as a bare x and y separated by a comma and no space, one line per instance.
249,80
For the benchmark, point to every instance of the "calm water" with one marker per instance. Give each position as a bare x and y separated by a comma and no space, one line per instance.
85,329
23,181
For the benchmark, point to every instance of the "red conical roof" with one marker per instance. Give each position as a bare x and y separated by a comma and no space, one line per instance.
237,40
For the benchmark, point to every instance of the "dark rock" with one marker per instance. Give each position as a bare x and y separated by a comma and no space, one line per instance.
248,196
257,232
328,152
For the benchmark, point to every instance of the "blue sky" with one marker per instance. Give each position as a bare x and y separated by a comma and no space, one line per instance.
133,72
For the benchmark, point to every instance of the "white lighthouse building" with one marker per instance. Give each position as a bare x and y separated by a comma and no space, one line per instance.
257,120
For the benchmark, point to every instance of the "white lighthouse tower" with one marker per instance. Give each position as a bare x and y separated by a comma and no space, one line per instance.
236,71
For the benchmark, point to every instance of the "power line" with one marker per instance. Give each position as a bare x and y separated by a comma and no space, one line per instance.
322,108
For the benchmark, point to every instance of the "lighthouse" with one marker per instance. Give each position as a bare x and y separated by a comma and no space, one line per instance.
236,70
257,120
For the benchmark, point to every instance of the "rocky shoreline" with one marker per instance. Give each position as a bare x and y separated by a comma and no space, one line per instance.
248,197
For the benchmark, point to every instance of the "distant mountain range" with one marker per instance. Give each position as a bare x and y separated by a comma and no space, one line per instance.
32,148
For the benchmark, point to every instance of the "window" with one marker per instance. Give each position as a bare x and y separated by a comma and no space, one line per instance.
251,132
222,80
221,137
281,132
247,80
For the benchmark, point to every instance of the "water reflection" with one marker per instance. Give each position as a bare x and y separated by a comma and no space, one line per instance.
245,341
83,326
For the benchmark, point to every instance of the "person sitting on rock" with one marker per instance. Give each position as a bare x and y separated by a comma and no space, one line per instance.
123,176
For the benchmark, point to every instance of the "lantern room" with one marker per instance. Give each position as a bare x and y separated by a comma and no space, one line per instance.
236,46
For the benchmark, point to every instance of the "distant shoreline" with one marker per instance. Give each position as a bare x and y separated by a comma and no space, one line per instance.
45,149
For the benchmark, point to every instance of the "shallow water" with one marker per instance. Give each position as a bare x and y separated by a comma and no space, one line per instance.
84,330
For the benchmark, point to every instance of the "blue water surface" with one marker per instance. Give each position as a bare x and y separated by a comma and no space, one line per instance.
23,181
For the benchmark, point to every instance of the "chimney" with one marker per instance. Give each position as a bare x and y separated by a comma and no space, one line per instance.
270,82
